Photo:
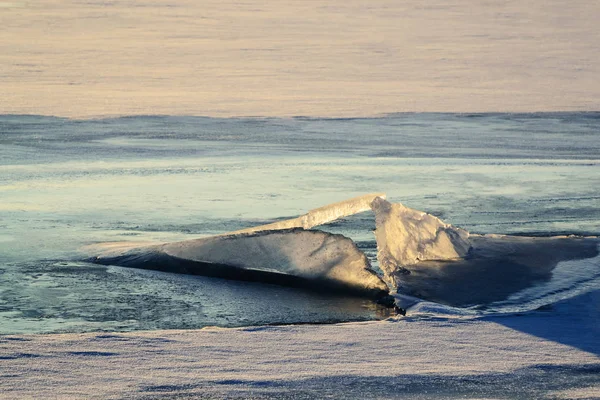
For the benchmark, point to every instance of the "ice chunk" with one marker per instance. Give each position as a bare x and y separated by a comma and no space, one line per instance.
294,257
406,236
283,252
321,215
507,273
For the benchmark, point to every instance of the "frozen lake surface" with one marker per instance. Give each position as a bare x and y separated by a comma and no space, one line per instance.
67,183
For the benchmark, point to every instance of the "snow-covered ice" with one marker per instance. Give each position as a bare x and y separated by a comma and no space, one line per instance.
540,355
285,58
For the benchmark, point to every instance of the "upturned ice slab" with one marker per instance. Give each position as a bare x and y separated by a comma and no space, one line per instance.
293,257
406,236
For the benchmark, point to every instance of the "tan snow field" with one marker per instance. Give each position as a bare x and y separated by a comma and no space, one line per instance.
297,57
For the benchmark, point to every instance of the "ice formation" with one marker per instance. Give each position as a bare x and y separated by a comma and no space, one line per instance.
294,257
406,236
502,268
285,252
321,215
419,254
